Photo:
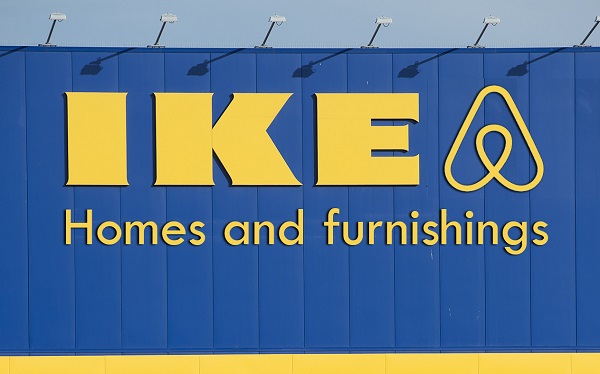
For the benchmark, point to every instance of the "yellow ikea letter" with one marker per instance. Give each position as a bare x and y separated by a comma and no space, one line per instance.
184,139
241,141
97,146
345,139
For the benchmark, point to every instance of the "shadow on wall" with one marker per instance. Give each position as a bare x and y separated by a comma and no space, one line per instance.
95,67
521,69
203,67
307,70
12,51
412,71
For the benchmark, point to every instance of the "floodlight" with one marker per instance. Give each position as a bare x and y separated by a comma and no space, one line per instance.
277,19
274,20
53,17
383,21
171,18
380,21
58,17
582,44
165,18
489,20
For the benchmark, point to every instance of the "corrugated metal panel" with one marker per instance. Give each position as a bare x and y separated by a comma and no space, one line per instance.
313,297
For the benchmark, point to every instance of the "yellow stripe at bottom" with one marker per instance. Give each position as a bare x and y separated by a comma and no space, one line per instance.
438,363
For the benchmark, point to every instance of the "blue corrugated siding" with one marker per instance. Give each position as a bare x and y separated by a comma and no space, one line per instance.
309,298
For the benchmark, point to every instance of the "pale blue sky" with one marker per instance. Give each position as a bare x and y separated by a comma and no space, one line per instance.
311,23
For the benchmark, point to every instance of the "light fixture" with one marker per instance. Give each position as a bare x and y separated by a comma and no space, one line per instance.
380,21
582,44
490,20
275,20
54,17
167,17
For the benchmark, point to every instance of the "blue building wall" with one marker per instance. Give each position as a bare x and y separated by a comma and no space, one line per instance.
79,298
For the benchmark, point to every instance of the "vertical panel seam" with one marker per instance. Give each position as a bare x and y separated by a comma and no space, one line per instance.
212,244
121,212
529,197
74,241
394,248
257,220
530,217
166,209
393,219
27,211
575,192
212,207
439,207
303,179
349,344
483,60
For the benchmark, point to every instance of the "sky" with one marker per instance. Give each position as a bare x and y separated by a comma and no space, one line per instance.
310,23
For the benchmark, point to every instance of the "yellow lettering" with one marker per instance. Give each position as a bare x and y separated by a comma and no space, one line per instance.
105,240
444,225
195,230
330,224
298,226
389,235
241,141
414,233
346,235
270,232
481,231
372,227
427,226
141,231
172,228
184,139
97,145
469,229
87,225
245,239
522,241
345,139
537,229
